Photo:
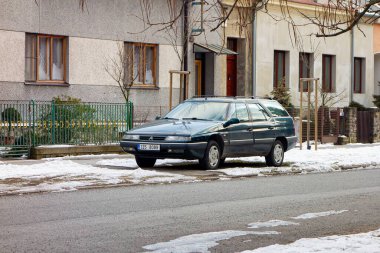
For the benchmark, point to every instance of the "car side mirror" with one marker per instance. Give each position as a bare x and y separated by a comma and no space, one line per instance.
157,117
231,122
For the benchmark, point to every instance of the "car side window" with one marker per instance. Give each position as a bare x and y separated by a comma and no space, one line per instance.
257,112
241,112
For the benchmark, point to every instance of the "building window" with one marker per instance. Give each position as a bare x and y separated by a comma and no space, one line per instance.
328,73
45,58
141,64
305,69
279,69
359,70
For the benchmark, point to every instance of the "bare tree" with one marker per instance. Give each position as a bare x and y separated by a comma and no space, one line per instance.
119,68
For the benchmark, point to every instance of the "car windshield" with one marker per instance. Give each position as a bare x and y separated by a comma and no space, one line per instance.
196,110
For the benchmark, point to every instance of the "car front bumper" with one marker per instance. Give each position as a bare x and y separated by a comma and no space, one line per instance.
188,150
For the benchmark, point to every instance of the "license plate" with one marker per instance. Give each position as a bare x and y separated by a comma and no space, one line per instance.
149,147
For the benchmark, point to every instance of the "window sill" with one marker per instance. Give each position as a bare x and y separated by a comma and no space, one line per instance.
56,84
144,87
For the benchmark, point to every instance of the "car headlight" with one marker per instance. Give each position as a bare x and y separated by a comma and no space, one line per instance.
178,138
131,137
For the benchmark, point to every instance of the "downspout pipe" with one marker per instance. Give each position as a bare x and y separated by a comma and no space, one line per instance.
185,43
254,26
352,55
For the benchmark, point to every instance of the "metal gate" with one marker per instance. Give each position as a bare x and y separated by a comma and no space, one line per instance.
364,129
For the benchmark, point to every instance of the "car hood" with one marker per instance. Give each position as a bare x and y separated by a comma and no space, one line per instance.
177,127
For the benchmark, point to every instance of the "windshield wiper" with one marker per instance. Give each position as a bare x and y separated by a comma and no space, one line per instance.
168,118
195,118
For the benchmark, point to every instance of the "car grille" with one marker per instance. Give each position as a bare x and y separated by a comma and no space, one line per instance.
152,138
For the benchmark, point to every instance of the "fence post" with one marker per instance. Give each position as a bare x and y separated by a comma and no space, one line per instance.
52,122
130,115
32,121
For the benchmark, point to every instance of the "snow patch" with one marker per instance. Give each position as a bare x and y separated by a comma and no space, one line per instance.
200,242
271,223
356,243
66,175
317,215
328,158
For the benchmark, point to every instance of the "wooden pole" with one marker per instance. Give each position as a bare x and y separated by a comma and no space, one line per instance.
308,116
316,115
170,91
187,85
180,88
300,119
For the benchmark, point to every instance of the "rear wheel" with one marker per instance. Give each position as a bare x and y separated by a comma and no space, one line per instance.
143,162
276,155
211,158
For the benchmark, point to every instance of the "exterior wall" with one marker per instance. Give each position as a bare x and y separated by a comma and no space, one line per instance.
272,35
93,35
12,60
215,69
244,50
376,50
377,73
108,20
87,61
363,47
376,38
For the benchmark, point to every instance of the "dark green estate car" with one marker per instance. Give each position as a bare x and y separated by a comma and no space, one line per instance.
213,128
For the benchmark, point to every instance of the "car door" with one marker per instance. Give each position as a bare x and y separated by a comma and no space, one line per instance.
240,135
263,129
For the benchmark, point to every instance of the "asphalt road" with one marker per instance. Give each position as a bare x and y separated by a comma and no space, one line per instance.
125,219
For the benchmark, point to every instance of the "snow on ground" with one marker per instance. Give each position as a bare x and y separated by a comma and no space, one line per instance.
66,175
327,158
317,215
356,243
271,223
200,242
53,171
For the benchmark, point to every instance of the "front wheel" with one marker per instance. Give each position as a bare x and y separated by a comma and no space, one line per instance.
211,158
145,162
276,155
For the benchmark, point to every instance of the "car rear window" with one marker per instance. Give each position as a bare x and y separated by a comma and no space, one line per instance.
275,108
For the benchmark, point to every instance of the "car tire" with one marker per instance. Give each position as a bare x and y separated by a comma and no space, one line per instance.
143,162
222,162
276,155
211,158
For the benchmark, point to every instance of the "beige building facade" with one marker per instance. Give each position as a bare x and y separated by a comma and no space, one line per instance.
279,60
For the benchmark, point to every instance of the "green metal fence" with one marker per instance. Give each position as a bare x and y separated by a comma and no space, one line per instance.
24,124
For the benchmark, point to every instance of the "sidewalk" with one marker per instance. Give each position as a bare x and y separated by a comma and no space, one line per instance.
73,173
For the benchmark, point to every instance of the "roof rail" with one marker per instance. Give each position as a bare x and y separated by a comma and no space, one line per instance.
214,96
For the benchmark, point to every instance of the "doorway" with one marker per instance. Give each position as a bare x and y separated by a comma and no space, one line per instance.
231,68
199,74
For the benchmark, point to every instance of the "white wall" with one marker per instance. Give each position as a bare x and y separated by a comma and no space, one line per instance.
272,35
363,47
377,74
12,56
88,58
